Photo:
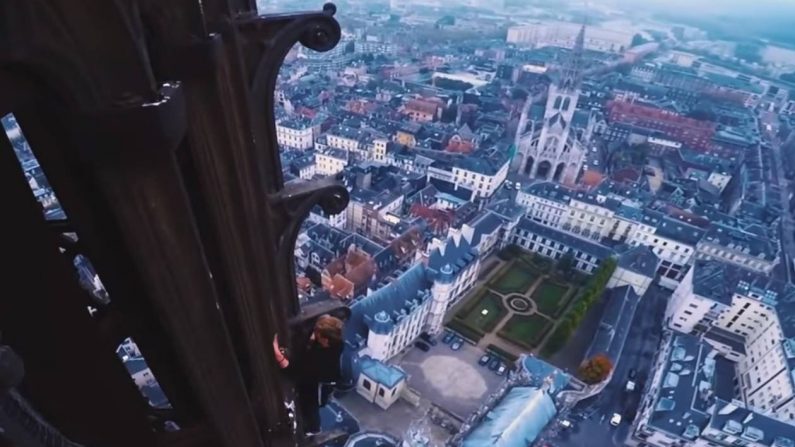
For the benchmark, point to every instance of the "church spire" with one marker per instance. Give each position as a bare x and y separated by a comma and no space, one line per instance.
571,71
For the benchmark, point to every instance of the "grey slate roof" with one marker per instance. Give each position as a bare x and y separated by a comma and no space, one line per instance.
576,243
640,259
735,341
482,164
486,222
604,202
750,243
762,429
386,306
685,396
695,393
457,254
679,231
549,190
719,281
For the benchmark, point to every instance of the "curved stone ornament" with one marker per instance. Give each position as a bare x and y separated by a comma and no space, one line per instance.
292,204
268,39
272,38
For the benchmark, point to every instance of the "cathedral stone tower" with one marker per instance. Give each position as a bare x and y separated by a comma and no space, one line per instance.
553,150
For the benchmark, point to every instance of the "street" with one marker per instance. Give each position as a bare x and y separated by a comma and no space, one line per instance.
787,226
591,417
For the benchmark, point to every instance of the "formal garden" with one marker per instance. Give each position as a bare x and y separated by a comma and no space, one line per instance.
529,303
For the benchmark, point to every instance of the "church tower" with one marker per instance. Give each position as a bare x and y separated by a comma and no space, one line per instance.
441,293
555,153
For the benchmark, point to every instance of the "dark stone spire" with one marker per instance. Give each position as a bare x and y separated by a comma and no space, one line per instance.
571,71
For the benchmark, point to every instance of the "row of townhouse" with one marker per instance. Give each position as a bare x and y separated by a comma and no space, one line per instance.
675,239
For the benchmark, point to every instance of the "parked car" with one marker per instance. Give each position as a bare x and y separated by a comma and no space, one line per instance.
615,420
448,338
456,345
494,364
422,346
630,385
426,337
484,360
501,370
631,374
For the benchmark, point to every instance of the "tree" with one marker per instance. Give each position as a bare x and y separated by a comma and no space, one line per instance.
566,263
451,84
788,77
596,369
637,40
749,52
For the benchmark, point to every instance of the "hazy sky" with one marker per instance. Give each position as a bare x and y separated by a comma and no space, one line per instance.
730,7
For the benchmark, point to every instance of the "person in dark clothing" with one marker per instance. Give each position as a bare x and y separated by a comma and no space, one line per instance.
314,368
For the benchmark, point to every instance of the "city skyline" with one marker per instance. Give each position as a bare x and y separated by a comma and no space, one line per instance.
551,224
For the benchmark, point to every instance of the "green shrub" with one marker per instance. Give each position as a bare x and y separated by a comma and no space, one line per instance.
465,330
591,293
501,353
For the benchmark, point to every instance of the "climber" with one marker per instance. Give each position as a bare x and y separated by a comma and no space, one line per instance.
314,368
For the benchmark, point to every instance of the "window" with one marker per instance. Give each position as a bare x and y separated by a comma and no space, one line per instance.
366,384
381,392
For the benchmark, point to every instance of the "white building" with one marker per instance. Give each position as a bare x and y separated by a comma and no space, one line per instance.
389,319
331,161
691,402
751,249
553,244
296,133
565,34
380,383
408,302
483,174
338,220
673,241
602,218
457,266
747,317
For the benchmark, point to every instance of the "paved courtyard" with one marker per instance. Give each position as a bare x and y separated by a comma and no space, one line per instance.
452,380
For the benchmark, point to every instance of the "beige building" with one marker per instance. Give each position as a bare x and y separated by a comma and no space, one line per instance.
296,133
330,161
564,34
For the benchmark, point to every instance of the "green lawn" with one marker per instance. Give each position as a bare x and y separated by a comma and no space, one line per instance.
517,279
526,330
473,316
550,297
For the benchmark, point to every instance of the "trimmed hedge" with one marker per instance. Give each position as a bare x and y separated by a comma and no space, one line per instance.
516,326
502,353
588,297
472,315
465,330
